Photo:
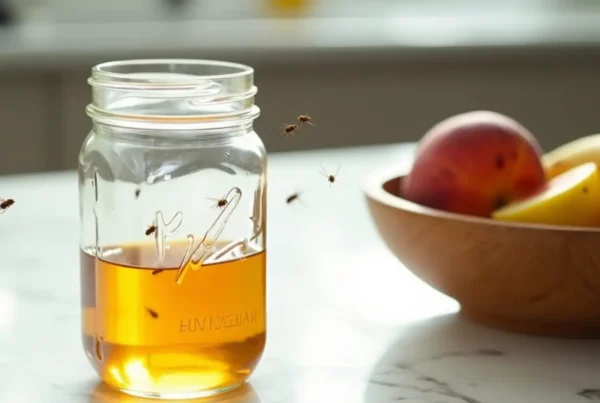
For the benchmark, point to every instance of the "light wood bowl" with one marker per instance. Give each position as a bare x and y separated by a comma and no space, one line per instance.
537,279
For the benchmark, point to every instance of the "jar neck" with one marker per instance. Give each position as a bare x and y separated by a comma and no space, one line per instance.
155,136
173,95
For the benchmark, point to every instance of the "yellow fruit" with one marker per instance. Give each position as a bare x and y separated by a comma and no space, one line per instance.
572,198
567,156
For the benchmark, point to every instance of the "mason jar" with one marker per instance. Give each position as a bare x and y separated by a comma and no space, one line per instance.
172,187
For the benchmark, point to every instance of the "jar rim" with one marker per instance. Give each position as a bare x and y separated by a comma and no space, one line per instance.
157,93
107,74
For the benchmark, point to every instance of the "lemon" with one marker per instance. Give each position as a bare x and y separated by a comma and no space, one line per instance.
571,198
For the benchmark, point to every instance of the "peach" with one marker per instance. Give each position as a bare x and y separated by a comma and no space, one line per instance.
474,163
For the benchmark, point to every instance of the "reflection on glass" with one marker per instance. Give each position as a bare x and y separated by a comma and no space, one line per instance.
103,393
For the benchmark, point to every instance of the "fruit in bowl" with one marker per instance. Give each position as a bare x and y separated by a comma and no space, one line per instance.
486,219
571,198
486,164
520,277
582,150
474,163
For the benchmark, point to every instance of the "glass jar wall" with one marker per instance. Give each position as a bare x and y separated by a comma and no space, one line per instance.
172,183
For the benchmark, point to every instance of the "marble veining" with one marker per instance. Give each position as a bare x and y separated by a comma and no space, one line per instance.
417,385
424,387
346,322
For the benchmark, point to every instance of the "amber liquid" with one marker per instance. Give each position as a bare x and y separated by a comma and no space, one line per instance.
149,336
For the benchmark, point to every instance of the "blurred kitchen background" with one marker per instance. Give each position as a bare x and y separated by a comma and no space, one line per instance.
367,71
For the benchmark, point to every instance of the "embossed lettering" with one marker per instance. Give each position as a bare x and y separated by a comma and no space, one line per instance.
217,322
199,323
185,325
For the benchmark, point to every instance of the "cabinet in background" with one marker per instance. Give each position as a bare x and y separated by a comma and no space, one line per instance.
375,100
28,139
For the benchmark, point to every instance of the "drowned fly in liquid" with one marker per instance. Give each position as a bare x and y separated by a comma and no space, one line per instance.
152,313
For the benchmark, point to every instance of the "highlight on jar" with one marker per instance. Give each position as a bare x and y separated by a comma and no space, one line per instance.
172,187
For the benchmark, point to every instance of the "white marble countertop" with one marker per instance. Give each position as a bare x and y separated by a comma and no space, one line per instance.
357,327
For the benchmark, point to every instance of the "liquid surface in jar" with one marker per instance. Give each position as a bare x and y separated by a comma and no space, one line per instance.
145,333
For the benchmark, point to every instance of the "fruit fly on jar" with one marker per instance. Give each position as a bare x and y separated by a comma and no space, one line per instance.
289,130
330,178
151,229
5,204
219,203
305,119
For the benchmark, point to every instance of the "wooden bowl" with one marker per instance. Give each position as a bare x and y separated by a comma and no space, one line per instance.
537,279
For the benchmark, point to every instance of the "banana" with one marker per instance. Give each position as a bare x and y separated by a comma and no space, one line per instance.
570,155
569,199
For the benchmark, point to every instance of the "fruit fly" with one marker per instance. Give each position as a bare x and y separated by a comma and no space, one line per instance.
219,203
5,204
137,193
306,120
152,313
151,230
289,130
293,197
330,178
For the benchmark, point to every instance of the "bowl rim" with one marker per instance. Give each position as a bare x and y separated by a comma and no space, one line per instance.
373,189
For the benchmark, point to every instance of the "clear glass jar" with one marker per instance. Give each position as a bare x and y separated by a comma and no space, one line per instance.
172,184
